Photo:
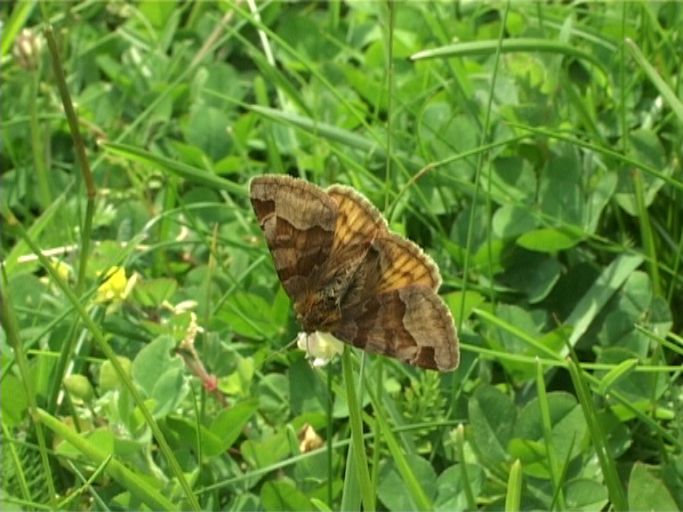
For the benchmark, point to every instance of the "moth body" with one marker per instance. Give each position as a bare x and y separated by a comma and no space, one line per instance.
321,309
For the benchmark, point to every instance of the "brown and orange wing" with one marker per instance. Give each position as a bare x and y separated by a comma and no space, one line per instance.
392,307
298,220
402,263
357,225
358,221
411,324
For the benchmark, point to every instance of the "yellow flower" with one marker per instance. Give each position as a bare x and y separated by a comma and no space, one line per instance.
320,346
116,287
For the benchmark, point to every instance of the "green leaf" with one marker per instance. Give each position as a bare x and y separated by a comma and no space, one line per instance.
273,395
445,132
585,494
157,12
160,375
472,300
492,418
266,451
533,273
37,228
153,292
307,390
219,78
14,402
560,190
611,278
239,313
282,495
244,501
392,489
599,196
647,491
239,381
516,327
450,487
185,431
137,484
645,147
512,220
228,425
108,378
616,373
568,432
635,386
514,179
548,240
206,128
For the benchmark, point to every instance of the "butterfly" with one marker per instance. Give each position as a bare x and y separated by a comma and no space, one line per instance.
349,276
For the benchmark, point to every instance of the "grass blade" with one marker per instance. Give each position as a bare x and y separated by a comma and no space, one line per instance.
131,481
606,285
513,496
614,486
358,450
478,48
667,93
417,493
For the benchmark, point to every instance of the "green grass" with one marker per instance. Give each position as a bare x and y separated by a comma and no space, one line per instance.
533,150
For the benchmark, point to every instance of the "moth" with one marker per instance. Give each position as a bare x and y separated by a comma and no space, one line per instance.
348,275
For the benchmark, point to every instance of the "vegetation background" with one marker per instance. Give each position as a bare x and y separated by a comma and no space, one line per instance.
533,149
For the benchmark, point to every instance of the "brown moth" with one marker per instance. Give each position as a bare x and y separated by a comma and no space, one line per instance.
348,275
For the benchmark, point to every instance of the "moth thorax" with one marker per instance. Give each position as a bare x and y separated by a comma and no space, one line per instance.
320,311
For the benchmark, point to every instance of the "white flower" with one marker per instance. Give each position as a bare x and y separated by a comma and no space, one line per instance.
319,346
